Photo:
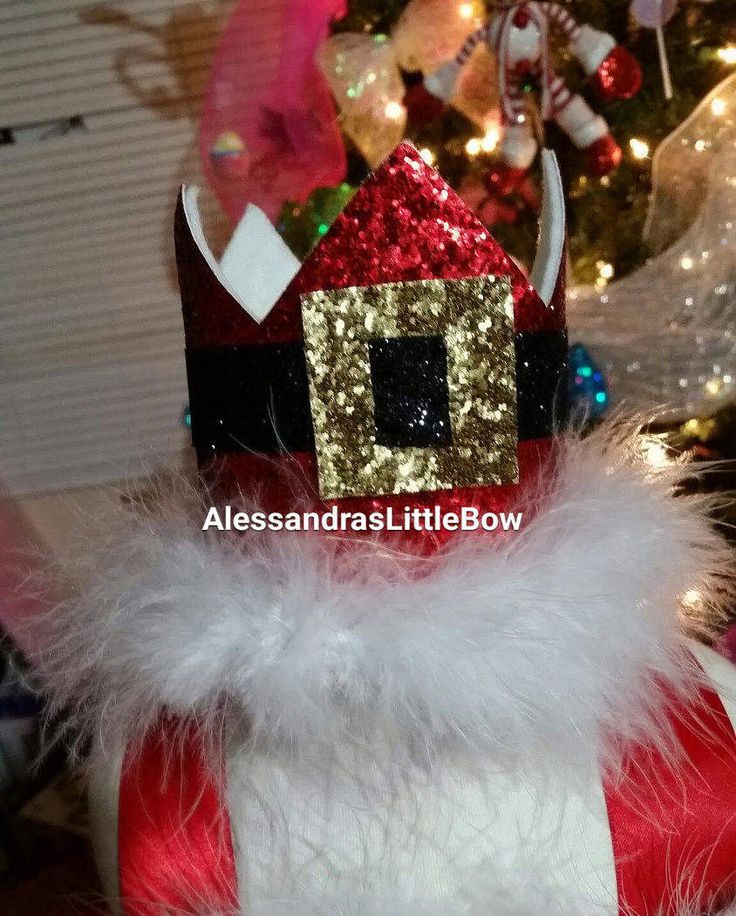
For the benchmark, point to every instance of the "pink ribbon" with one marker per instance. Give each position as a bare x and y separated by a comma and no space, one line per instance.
267,96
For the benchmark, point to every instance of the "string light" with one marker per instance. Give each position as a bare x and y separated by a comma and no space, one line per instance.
466,10
686,262
394,111
656,455
485,144
605,273
718,107
428,156
490,140
727,55
699,428
692,599
639,148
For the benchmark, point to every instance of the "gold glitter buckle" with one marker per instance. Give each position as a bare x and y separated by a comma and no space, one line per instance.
474,317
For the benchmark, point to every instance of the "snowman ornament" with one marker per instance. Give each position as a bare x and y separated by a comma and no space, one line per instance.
519,34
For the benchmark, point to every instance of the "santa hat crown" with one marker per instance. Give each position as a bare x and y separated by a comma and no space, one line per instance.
409,358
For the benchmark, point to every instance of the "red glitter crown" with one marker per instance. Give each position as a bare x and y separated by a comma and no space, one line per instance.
405,224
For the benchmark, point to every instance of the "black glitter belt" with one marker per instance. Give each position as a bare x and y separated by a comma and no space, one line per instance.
256,397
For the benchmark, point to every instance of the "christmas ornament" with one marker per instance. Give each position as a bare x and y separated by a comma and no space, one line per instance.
429,32
303,225
229,155
364,72
499,196
519,35
268,131
488,207
366,82
289,722
587,390
665,335
655,14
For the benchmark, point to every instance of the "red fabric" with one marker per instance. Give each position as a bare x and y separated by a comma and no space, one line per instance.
672,822
619,75
422,106
404,223
174,843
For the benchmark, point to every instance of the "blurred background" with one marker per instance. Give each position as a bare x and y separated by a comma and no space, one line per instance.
105,109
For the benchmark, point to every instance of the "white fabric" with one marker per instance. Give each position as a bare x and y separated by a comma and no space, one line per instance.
582,125
519,145
257,263
358,827
591,48
104,791
550,249
442,82
352,834
256,266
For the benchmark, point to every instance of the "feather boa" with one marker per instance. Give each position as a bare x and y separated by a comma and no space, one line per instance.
549,644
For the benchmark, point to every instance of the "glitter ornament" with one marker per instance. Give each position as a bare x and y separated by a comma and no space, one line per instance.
587,392
366,83
519,37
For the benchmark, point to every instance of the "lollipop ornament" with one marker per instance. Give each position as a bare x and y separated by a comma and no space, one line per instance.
655,14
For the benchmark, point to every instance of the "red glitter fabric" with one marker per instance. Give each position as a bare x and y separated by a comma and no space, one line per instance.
619,75
405,223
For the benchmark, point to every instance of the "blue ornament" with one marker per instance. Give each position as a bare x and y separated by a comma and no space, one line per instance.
186,417
587,389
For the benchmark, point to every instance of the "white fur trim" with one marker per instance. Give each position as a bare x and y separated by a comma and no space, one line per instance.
592,47
527,647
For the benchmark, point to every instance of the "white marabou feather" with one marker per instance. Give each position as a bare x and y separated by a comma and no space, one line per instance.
540,644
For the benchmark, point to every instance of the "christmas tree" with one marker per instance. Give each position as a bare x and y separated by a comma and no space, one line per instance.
606,215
